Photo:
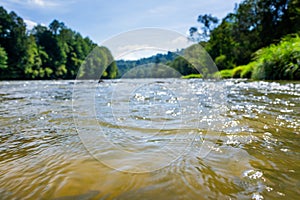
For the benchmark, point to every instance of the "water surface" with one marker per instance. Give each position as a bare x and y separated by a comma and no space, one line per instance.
196,141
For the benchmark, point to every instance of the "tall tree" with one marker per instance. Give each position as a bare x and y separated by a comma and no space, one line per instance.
55,26
209,23
48,52
13,39
253,24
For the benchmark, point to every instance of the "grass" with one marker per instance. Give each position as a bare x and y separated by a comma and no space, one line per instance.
236,72
226,73
192,76
278,62
275,62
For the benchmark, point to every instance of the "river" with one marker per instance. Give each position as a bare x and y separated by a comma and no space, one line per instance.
150,139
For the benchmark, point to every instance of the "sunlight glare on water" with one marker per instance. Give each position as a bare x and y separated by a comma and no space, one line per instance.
252,138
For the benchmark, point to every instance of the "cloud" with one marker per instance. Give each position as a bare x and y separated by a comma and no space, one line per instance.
142,53
30,24
142,42
38,3
180,41
132,47
136,51
42,3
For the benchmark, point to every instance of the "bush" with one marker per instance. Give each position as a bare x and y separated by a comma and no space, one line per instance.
247,71
236,72
226,73
192,76
244,71
222,62
3,58
278,62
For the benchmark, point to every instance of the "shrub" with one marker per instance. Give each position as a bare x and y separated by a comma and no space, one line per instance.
192,76
281,61
247,70
236,72
226,73
244,71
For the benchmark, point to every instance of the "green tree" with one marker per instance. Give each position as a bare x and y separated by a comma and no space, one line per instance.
33,63
13,39
98,64
209,23
3,58
49,52
55,26
253,24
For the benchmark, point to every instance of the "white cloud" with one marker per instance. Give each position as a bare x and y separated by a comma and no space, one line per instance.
43,3
134,47
145,42
180,41
136,51
37,3
141,53
30,24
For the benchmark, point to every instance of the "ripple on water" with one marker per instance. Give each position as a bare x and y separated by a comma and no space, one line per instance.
246,148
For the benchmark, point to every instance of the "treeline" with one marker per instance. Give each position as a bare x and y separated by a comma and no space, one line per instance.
275,62
53,52
192,60
258,40
151,70
125,66
254,24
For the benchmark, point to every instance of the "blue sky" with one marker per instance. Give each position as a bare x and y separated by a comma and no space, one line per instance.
102,19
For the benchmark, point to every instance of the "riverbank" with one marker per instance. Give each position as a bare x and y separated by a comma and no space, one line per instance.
275,62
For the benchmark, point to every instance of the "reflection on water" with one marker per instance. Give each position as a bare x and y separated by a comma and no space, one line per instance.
254,154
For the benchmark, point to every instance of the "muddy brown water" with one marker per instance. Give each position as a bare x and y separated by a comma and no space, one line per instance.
150,139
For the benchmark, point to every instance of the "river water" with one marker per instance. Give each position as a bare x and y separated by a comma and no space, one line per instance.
150,139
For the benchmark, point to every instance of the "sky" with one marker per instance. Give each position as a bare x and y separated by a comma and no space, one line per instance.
103,19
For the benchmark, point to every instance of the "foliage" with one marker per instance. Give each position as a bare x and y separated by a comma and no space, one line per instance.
152,70
126,65
53,52
3,58
247,71
190,76
13,39
280,61
236,72
57,52
275,62
244,71
223,63
194,60
226,73
254,24
208,22
182,66
111,71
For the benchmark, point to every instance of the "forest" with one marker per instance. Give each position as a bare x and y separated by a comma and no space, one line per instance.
53,52
259,40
